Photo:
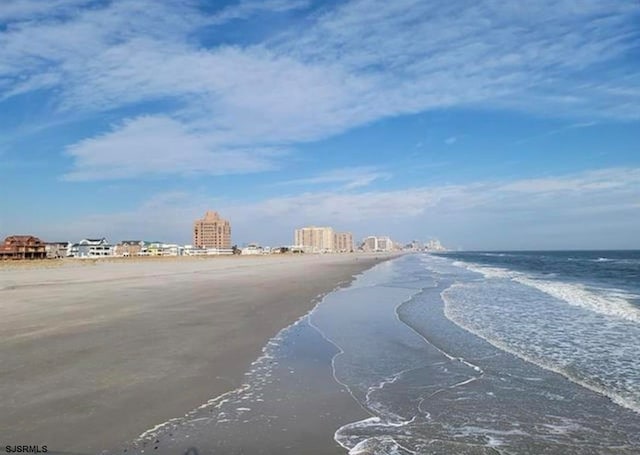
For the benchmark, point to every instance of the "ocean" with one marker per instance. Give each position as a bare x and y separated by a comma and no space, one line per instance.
461,353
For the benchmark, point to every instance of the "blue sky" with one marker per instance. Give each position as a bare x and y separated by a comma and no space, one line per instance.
488,124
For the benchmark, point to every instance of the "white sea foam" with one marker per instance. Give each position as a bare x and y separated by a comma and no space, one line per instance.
609,302
379,408
380,445
519,337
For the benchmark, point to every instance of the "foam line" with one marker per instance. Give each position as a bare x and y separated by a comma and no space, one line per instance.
609,302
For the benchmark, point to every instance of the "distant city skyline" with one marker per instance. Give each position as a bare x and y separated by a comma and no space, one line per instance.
489,125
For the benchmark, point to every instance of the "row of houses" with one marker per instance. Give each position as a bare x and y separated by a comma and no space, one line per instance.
85,248
97,248
31,247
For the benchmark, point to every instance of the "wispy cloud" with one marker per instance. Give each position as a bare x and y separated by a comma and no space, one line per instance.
248,8
15,10
348,178
451,140
359,62
555,131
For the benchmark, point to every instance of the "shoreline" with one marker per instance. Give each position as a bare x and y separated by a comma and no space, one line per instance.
96,356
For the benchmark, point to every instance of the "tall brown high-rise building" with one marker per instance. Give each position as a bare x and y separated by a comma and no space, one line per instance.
212,231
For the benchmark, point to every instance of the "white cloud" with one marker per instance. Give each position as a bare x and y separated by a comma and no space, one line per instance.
359,62
160,145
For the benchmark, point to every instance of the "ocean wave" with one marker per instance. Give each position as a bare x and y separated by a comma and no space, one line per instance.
610,302
605,301
560,357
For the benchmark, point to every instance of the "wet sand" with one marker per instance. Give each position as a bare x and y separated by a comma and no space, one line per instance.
291,404
93,355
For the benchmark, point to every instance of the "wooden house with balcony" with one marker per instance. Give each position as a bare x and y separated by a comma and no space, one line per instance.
23,247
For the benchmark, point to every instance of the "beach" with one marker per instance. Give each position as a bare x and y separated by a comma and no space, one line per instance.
460,353
95,353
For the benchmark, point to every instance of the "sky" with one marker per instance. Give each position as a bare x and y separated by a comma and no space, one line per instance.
487,124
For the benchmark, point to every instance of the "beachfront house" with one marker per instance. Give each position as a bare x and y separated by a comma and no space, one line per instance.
191,250
172,249
252,249
152,248
58,250
160,249
22,247
219,251
92,248
128,248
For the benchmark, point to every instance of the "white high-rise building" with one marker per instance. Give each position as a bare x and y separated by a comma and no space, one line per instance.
370,243
377,243
343,242
385,244
315,239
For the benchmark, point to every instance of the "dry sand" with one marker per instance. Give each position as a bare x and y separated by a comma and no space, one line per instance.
93,354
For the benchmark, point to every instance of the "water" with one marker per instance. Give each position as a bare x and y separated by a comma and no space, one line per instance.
465,353
576,313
